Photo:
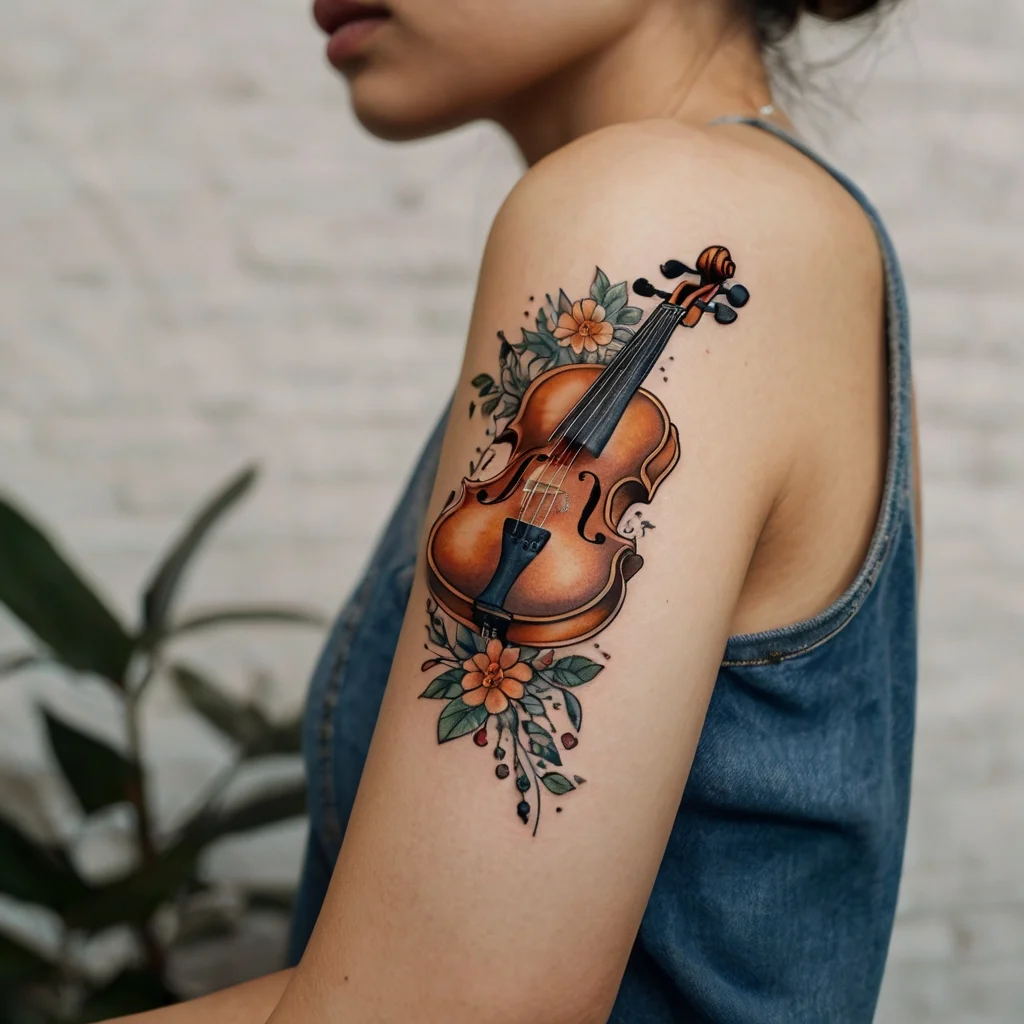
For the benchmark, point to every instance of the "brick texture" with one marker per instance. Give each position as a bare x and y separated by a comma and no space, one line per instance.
196,240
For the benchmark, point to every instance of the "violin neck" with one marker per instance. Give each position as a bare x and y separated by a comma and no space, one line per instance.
593,419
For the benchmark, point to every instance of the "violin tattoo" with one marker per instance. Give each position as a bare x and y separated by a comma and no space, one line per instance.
534,557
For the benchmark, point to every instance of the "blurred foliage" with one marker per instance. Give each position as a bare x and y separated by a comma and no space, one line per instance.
75,630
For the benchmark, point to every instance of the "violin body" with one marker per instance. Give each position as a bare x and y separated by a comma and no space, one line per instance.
578,583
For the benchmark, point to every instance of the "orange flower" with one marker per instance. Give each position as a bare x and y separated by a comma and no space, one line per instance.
584,328
495,676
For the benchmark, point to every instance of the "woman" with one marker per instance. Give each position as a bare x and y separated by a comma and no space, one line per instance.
654,580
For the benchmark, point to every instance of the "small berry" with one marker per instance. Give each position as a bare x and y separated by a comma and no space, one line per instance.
480,736
523,810
522,783
501,771
499,753
568,740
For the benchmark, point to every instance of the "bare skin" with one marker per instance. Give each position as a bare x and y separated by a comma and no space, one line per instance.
783,429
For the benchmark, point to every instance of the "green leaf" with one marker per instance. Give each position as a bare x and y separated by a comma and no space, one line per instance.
132,991
481,380
238,721
19,964
13,663
245,616
629,315
458,719
541,743
614,299
159,595
138,896
435,629
472,409
489,406
599,286
556,783
575,670
573,709
528,653
468,643
622,334
543,345
532,704
44,591
97,774
564,302
34,873
445,686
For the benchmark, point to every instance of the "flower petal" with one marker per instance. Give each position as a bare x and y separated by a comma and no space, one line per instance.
493,651
577,312
566,322
566,341
522,672
576,343
509,656
478,663
602,333
512,688
471,680
588,307
589,344
495,701
474,698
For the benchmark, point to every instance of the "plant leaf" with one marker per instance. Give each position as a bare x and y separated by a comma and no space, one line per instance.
468,643
629,315
573,709
458,718
532,704
239,721
575,670
98,775
541,743
35,874
138,896
19,964
599,285
556,783
243,616
482,379
489,406
50,598
159,595
10,664
622,335
614,299
445,686
132,991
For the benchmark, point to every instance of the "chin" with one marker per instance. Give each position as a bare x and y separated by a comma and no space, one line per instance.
400,113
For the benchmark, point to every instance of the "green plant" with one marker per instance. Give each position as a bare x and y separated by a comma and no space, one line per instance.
76,631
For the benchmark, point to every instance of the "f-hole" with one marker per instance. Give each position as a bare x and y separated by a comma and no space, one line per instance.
592,500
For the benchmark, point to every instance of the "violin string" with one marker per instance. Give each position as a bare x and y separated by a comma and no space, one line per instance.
659,315
591,400
594,427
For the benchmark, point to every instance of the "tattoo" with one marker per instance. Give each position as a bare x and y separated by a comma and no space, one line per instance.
534,556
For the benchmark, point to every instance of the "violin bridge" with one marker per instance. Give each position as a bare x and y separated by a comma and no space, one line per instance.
548,494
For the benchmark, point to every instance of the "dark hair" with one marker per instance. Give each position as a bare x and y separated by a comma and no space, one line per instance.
777,18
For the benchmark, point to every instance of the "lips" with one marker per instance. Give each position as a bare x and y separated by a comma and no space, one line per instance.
332,15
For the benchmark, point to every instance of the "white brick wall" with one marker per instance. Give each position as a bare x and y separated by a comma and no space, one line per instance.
203,260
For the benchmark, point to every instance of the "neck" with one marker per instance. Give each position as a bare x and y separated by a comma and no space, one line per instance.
689,63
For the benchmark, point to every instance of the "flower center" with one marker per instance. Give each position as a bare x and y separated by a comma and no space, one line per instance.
494,675
585,328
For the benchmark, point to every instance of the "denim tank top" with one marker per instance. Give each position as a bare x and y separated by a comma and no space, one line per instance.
775,899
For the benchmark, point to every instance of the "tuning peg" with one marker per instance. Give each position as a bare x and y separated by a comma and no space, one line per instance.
737,295
676,268
724,314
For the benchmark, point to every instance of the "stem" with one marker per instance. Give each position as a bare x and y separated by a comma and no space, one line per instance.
137,797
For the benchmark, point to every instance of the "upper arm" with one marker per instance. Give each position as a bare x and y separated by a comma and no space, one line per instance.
445,905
